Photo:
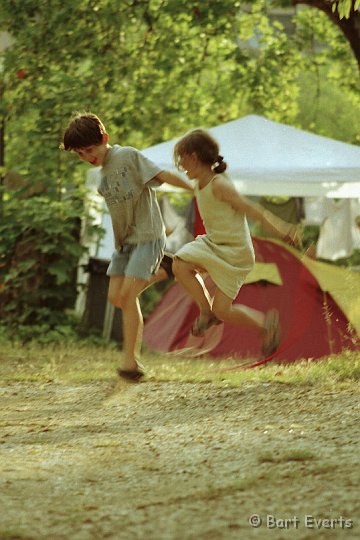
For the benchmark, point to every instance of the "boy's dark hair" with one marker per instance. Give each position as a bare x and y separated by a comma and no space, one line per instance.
84,129
205,147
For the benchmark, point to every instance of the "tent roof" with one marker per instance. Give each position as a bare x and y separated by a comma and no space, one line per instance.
268,158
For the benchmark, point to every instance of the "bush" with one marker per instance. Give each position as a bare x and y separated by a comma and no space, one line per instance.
39,253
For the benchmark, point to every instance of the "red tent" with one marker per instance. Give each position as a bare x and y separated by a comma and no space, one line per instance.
313,324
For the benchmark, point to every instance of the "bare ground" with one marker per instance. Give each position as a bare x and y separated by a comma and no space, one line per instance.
162,460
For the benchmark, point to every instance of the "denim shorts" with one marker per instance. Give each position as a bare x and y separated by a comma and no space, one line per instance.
140,261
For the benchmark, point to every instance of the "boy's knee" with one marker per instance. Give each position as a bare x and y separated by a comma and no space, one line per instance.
113,299
118,297
123,298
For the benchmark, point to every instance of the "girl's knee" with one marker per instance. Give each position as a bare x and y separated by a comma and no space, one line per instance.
180,267
220,312
177,266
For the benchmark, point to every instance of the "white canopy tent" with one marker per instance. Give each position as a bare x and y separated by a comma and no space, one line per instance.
269,158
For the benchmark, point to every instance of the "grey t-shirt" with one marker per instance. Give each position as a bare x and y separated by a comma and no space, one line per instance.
128,188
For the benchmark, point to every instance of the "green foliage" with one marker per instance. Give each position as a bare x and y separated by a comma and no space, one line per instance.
152,70
345,7
60,332
44,334
152,296
352,261
39,251
327,110
310,235
268,65
329,100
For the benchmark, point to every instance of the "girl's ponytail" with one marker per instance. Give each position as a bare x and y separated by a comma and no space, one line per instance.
220,165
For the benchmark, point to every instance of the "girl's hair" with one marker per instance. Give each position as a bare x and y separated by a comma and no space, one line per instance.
205,147
84,129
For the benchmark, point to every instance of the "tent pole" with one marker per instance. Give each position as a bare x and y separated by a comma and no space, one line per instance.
108,321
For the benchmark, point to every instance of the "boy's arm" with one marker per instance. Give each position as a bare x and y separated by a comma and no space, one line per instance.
271,224
174,180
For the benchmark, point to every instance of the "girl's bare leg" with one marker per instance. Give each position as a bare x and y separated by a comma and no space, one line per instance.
225,310
267,323
186,274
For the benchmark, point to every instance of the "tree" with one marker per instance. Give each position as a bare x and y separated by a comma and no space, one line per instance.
151,69
147,77
345,14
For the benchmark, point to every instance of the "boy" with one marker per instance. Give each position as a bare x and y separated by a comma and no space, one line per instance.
127,184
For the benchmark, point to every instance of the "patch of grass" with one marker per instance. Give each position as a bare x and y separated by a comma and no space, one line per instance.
328,372
86,364
68,363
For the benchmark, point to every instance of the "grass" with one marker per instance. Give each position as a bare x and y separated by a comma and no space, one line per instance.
86,364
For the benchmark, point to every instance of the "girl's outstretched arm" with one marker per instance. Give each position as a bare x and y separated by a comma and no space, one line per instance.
271,224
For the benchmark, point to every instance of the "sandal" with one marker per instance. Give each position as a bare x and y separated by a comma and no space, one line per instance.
200,325
272,332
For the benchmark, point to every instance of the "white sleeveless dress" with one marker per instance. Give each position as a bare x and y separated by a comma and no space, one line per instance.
226,251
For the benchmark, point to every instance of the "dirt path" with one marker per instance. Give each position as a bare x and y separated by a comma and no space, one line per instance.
156,461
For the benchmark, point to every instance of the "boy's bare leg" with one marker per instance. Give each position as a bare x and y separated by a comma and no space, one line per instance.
186,274
160,275
124,293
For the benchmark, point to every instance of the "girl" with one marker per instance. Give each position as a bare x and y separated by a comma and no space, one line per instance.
226,251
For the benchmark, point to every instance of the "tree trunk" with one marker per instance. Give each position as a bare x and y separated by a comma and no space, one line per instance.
350,27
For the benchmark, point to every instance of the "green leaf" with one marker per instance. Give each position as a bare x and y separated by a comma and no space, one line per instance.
60,270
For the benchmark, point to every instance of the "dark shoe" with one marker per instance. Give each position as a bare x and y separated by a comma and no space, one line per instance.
272,332
133,374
